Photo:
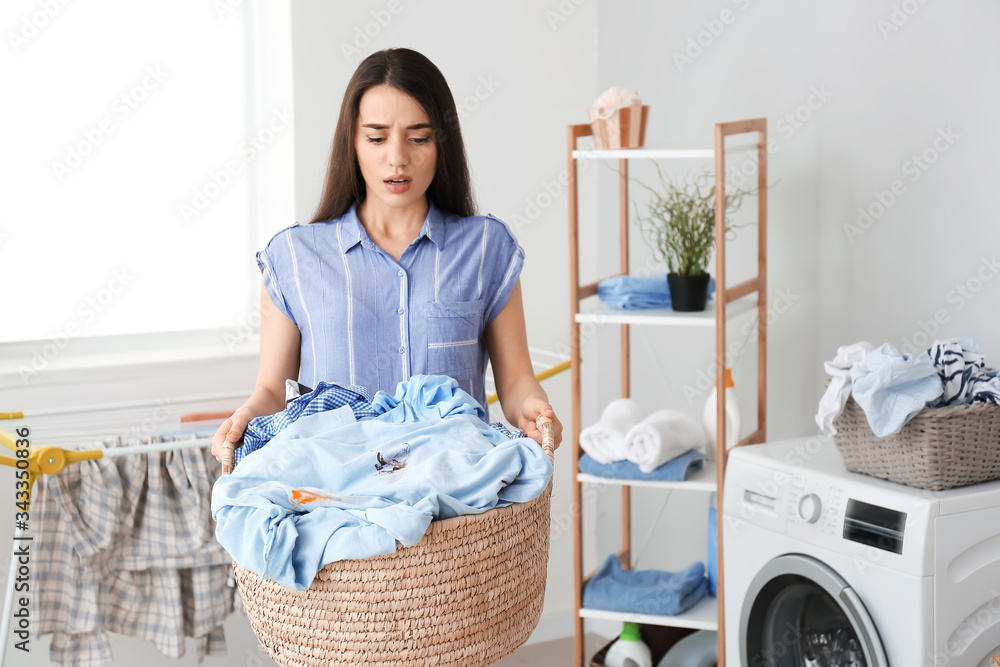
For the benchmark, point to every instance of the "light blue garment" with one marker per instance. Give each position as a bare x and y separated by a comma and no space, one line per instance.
891,387
639,292
366,319
713,550
331,487
674,470
645,591
326,396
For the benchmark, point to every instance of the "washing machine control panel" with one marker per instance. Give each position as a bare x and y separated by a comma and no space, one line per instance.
810,507
815,507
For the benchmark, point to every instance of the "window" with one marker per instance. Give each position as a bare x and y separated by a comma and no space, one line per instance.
144,141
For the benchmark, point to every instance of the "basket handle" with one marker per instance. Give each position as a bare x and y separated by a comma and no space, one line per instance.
544,425
228,456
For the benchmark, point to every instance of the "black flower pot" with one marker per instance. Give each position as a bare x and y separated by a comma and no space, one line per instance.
688,294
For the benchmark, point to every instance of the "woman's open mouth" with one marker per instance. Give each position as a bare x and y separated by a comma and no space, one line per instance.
398,185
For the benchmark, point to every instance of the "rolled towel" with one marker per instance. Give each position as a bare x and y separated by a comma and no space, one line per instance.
662,436
605,440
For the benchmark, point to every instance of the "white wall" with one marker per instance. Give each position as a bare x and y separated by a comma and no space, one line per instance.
866,98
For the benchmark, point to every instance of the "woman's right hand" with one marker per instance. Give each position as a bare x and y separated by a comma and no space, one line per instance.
231,430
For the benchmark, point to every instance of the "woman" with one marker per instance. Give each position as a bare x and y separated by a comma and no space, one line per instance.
394,276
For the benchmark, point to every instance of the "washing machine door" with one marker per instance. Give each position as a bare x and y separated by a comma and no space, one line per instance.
798,612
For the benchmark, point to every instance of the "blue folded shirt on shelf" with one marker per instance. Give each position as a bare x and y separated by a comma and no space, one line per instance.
645,591
639,292
674,470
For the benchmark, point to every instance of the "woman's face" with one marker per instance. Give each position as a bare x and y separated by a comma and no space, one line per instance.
395,144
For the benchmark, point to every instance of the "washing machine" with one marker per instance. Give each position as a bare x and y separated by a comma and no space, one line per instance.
820,562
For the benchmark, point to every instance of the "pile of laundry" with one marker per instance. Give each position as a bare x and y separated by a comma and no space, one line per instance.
892,387
626,444
639,292
335,476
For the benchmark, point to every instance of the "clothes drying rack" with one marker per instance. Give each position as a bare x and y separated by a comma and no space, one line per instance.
50,460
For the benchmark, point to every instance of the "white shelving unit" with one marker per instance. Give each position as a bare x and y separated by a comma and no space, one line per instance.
702,480
593,310
747,298
702,616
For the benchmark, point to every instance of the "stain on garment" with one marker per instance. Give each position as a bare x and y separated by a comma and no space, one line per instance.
387,466
303,497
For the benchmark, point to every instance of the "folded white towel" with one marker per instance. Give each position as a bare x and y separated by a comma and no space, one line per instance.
605,440
662,436
839,389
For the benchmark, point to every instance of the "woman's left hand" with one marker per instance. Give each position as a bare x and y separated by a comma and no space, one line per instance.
532,407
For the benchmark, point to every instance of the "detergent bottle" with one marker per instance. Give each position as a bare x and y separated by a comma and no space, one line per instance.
732,417
629,650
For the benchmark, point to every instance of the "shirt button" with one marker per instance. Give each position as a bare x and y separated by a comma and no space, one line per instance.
402,350
400,311
400,274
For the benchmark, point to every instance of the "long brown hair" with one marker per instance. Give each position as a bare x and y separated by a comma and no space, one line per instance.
411,73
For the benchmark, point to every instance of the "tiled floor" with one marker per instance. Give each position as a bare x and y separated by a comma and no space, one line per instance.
557,653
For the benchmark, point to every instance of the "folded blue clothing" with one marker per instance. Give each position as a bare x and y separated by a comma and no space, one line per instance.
645,591
639,292
330,486
674,470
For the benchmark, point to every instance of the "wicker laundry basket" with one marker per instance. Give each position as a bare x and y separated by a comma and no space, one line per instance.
938,449
469,593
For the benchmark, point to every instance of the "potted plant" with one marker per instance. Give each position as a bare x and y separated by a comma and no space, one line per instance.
680,228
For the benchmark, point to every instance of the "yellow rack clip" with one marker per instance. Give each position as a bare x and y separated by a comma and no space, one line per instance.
47,460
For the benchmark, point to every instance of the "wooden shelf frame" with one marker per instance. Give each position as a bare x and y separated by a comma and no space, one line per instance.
725,295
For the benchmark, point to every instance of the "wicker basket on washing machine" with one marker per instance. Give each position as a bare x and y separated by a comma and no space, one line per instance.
942,448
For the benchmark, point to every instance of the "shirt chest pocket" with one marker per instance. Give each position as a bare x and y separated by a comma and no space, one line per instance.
453,330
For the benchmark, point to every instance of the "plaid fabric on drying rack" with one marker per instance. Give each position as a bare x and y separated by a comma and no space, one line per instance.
326,396
127,545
